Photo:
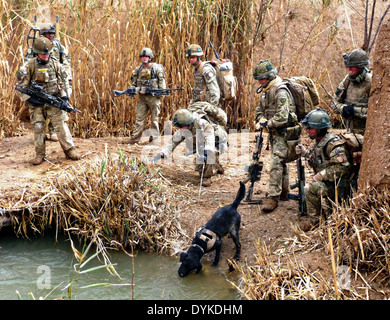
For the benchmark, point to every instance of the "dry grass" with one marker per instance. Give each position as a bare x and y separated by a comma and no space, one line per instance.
104,39
114,200
355,238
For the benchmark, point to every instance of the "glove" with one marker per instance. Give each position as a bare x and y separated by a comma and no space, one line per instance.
263,122
35,102
348,111
64,103
158,156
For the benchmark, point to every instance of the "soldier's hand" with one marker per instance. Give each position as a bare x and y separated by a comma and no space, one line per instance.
318,177
300,150
348,111
35,102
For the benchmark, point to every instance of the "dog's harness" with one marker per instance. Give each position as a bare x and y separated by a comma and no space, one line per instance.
208,236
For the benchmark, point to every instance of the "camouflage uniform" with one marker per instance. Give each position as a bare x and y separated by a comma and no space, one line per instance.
52,78
152,77
355,92
206,86
332,163
277,106
200,136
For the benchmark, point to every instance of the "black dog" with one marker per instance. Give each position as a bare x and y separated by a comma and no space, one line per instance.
225,220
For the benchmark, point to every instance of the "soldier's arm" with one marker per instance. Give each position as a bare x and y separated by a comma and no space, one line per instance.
210,76
281,117
23,78
339,97
161,77
177,138
339,165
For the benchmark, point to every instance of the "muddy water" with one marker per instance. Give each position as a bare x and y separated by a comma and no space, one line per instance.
42,267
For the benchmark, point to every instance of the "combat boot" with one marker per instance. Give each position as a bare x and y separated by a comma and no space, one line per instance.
270,204
284,195
72,154
219,168
38,159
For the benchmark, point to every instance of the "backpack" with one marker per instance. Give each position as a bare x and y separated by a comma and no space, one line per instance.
304,93
227,82
353,143
212,113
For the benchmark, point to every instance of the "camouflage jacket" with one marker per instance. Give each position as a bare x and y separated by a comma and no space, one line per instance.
51,76
331,161
276,105
200,130
356,93
206,86
151,77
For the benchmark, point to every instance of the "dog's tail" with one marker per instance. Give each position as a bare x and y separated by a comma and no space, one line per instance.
239,197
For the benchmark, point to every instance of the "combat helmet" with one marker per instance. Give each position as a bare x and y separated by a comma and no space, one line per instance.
42,45
194,50
182,117
318,119
146,52
265,69
47,28
356,58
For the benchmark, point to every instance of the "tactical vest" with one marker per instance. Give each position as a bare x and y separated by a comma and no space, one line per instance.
321,152
45,75
147,76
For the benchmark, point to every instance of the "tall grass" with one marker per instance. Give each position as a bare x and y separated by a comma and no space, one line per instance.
105,38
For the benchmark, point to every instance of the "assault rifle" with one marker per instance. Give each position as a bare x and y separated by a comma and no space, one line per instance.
37,92
301,186
132,91
254,170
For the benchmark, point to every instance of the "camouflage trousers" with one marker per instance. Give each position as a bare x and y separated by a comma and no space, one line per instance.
58,118
279,174
146,103
316,194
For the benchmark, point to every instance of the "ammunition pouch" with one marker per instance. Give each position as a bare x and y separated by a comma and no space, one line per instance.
292,136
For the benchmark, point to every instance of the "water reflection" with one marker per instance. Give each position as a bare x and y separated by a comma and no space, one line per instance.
44,268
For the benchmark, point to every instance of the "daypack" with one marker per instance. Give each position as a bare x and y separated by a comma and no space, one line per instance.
304,93
212,113
227,82
354,144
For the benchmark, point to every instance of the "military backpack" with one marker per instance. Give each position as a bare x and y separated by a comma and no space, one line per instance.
304,93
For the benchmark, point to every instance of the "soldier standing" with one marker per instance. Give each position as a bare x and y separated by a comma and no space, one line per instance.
329,160
147,75
353,92
49,74
200,133
61,54
276,112
206,86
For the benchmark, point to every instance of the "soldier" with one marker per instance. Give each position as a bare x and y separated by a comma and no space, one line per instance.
152,75
206,86
329,161
61,54
353,92
193,128
276,113
49,74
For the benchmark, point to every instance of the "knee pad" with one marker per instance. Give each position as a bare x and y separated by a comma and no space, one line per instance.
39,127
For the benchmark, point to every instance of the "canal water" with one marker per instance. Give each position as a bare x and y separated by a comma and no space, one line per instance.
41,267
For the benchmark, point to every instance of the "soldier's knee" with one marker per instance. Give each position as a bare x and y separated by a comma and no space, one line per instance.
39,127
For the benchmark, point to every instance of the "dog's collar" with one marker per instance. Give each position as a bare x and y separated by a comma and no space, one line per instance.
197,245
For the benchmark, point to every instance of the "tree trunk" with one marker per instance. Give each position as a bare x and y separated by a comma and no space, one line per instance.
375,168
